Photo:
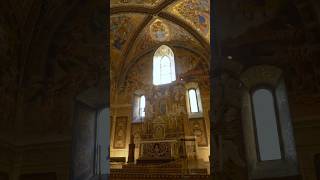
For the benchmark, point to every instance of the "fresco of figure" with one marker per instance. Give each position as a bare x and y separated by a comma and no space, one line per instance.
149,110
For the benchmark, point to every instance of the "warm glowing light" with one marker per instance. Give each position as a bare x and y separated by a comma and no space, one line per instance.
193,101
163,66
142,106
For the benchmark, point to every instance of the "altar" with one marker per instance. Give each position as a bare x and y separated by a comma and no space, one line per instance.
164,136
158,151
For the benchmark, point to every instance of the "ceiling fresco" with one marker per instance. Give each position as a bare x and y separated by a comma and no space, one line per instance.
160,31
148,3
194,12
139,26
122,27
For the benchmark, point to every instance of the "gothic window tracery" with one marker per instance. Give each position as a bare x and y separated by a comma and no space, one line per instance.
163,66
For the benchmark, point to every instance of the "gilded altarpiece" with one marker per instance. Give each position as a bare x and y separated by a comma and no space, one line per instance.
166,121
165,112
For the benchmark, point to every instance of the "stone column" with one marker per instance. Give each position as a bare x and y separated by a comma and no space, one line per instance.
216,95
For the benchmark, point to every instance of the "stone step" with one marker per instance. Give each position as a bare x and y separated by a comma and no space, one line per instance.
170,171
157,177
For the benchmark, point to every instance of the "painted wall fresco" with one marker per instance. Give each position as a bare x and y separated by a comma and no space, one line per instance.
122,28
140,75
165,102
194,12
198,128
120,134
136,132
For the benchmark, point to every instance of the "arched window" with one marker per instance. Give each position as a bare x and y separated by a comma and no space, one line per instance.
267,134
142,105
139,105
163,66
267,124
193,101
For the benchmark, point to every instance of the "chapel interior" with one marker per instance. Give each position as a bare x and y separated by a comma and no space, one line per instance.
160,89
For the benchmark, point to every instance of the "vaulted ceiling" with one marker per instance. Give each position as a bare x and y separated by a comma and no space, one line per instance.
138,27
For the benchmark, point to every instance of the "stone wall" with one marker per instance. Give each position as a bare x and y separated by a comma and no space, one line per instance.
284,34
42,71
36,159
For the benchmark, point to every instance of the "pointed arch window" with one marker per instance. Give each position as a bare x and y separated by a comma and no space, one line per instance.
163,66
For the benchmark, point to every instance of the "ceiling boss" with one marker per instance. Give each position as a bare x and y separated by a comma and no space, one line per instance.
159,31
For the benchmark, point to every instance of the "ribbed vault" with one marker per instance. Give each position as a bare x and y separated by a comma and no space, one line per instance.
126,50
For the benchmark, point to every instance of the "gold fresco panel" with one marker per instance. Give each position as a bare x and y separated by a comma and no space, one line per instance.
120,133
199,130
194,12
160,31
122,28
